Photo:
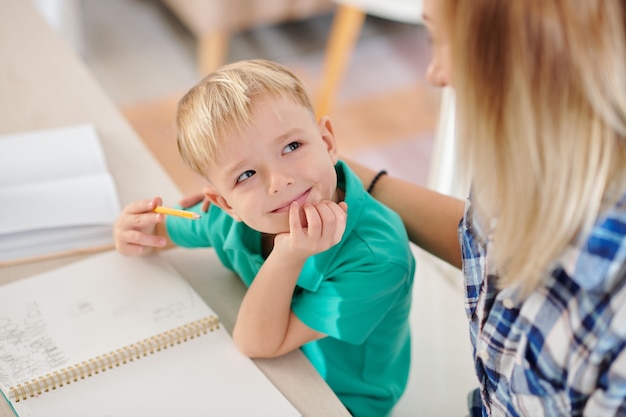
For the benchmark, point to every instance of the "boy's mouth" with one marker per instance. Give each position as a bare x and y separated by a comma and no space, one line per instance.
283,208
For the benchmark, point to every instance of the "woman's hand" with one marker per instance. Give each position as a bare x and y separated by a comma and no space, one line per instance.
193,199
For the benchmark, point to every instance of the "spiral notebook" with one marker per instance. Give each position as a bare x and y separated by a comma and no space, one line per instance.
118,336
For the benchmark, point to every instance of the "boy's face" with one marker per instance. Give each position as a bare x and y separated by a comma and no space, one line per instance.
284,156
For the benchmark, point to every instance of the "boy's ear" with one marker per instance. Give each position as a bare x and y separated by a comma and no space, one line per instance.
327,131
216,198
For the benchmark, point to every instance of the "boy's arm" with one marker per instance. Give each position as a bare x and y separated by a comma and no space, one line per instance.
266,326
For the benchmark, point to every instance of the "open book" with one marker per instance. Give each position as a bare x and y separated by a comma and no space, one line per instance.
117,336
56,192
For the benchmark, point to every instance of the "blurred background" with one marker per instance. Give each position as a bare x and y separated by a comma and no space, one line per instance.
146,57
147,53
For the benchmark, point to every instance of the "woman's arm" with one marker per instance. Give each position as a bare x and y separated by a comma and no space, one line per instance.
431,218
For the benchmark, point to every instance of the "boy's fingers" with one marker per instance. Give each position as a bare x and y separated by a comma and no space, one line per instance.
144,239
313,219
131,242
334,218
340,212
141,221
133,250
143,206
294,217
326,217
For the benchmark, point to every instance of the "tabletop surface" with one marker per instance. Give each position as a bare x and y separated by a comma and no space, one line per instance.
45,85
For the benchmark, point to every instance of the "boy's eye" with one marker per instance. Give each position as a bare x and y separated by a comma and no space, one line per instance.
291,147
245,176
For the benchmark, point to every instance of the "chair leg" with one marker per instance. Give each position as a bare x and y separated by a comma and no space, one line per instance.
212,51
344,33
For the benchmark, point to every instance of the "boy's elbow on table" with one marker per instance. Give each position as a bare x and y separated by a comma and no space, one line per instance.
254,350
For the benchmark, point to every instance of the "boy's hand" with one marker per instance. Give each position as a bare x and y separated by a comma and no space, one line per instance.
322,228
134,230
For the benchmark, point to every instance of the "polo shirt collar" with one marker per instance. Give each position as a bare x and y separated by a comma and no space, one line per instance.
242,237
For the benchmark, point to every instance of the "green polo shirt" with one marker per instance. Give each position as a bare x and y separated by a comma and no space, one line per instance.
358,293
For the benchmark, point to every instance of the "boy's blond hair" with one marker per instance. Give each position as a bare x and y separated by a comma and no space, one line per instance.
221,105
541,89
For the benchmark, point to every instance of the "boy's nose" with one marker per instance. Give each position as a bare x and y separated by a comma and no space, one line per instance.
278,181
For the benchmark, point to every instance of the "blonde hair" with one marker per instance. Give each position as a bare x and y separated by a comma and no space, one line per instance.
541,90
221,105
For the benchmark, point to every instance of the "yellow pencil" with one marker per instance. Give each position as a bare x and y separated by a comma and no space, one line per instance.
176,212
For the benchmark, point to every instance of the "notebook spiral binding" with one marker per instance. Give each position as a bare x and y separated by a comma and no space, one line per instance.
113,359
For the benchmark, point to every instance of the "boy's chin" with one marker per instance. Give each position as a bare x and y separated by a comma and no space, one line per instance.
278,229
282,227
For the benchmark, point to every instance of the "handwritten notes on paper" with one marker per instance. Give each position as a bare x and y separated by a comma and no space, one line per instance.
26,345
87,309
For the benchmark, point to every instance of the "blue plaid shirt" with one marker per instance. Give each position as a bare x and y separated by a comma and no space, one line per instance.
560,352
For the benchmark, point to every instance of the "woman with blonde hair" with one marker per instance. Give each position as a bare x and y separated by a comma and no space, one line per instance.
541,122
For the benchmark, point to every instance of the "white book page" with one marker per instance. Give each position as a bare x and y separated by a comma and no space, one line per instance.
89,203
52,179
109,301
50,154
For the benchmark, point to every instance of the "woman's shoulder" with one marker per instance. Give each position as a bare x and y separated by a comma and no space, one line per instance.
597,260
